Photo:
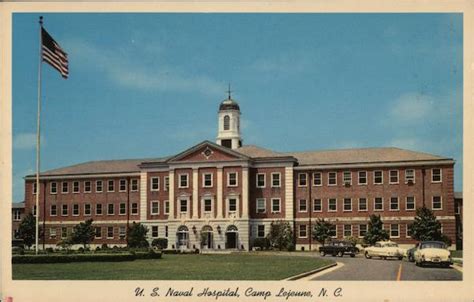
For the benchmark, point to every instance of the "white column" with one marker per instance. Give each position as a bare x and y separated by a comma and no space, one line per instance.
245,192
219,193
143,195
289,193
171,195
195,192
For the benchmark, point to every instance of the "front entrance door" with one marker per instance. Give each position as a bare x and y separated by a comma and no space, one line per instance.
231,240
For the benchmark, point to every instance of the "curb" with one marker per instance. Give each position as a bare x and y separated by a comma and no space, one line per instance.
457,267
305,274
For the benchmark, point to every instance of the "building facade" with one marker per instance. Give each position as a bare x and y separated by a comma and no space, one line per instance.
18,213
223,195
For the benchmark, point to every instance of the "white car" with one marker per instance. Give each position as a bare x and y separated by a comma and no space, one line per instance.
434,252
384,250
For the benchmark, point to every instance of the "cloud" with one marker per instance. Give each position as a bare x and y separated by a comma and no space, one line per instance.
286,63
24,141
412,107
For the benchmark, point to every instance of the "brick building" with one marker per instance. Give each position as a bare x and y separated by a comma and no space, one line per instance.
224,195
18,213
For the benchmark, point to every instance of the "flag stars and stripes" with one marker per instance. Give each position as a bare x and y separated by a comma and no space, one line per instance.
53,54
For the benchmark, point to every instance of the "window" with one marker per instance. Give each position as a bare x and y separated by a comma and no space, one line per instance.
63,233
332,178
362,177
111,186
183,205
394,204
409,176
317,205
332,205
87,209
232,179
167,207
154,231
409,231
362,230
75,209
232,205
98,209
226,122
183,180
53,210
98,232
303,231
110,209
394,230
167,182
122,208
16,215
261,230
166,231
437,203
35,188
110,232
260,180
54,188
134,208
435,175
65,187
154,183
207,180
410,204
317,179
98,186
276,180
347,204
155,207
303,206
122,232
378,177
64,210
276,205
302,179
52,233
123,185
378,204
261,205
87,187
347,177
333,231
34,210
347,230
208,205
393,176
362,204
75,187
134,185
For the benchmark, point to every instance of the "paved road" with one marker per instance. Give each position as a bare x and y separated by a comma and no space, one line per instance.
359,268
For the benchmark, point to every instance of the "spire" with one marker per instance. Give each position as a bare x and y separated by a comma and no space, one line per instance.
229,95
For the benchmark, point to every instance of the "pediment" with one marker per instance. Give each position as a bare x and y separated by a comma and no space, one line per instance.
207,151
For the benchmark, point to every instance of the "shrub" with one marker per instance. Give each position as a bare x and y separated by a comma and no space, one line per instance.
148,255
137,235
161,243
62,258
281,235
80,250
97,249
262,243
49,250
105,246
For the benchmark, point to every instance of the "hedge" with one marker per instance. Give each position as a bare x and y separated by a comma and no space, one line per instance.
65,258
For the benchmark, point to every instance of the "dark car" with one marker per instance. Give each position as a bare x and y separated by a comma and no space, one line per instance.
338,248
411,253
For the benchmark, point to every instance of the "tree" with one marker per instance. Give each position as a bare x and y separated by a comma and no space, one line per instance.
280,235
27,230
425,226
83,233
322,231
137,235
375,231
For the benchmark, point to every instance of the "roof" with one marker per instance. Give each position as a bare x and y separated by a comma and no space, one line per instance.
363,155
18,205
229,104
457,195
258,152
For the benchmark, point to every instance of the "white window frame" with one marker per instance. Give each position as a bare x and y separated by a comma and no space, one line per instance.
366,204
204,205
108,206
187,180
157,178
258,230
204,180
101,209
132,212
344,230
62,187
398,204
329,204
166,210
378,210
279,180
398,230
279,205
329,179
35,189
320,204
376,183
344,205
90,209
390,177
64,206
264,180
320,179
366,178
299,205
299,179
166,185
122,232
414,203
236,204
52,233
120,185
440,175
16,215
305,230
74,207
440,200
155,202
101,186
335,230
95,232
51,210
407,228
344,174
62,233
406,178
51,188
120,208
109,181
134,183
90,186
264,205
180,199
236,179
366,229
157,231
113,232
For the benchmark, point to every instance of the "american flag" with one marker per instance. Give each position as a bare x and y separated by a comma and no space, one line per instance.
53,54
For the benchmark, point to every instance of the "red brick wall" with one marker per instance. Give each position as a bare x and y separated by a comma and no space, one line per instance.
161,195
268,192
232,190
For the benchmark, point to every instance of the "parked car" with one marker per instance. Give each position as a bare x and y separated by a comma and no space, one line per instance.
434,252
338,248
411,253
384,250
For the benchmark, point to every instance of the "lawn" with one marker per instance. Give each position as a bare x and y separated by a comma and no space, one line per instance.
176,267
456,254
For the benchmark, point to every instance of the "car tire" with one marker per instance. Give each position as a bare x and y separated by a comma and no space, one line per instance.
400,257
322,253
367,256
353,255
410,258
340,254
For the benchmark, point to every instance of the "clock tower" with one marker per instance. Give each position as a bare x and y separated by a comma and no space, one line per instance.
228,132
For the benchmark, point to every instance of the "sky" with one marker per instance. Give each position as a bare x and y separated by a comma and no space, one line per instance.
149,85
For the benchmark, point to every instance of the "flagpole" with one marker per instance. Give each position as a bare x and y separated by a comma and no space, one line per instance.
38,136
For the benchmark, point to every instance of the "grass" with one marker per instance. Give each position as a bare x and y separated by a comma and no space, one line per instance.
176,267
456,254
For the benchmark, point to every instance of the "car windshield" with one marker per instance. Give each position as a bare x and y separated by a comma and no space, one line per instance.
432,245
